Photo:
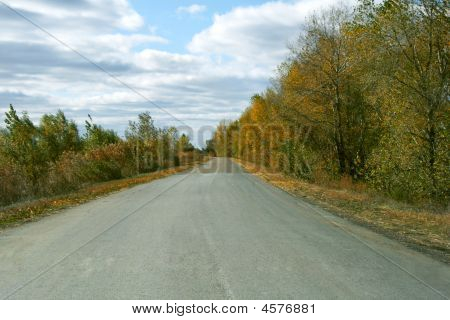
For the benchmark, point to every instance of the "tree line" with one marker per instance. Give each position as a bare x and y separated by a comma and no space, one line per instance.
53,157
364,94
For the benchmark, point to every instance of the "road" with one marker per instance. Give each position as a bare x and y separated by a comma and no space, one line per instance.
212,233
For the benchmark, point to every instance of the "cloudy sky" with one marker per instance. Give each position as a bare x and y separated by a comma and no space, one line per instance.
200,61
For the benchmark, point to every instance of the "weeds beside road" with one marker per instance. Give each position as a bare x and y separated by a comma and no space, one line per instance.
33,210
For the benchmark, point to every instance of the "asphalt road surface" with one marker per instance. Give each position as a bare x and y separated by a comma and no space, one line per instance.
212,233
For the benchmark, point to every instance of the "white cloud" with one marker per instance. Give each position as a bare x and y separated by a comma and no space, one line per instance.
192,9
255,34
117,12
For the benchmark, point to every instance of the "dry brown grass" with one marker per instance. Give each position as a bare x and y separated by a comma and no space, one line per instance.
30,211
418,228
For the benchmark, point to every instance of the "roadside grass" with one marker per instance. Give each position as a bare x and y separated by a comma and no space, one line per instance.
32,210
418,228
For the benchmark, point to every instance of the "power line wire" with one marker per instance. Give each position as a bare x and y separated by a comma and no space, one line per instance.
90,61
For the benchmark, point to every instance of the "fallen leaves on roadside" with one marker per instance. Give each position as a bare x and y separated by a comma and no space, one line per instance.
423,230
28,212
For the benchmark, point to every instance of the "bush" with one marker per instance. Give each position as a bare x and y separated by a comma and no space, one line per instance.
13,183
395,169
66,174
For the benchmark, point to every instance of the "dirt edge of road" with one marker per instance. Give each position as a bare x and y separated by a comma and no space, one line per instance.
33,210
420,230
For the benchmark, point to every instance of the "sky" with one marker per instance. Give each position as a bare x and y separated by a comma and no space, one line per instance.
189,63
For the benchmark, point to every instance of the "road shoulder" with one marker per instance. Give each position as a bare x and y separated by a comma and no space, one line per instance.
34,210
420,230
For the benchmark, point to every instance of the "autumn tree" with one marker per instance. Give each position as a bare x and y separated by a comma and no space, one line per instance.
413,56
221,141
58,134
184,143
168,144
322,88
22,145
143,135
97,136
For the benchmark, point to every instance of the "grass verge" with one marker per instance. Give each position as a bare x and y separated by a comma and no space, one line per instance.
419,229
33,210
